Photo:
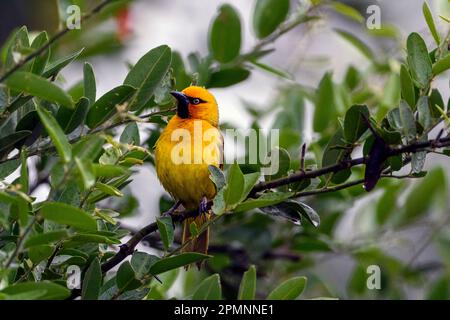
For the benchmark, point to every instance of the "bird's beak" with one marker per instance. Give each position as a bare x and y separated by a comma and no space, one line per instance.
183,104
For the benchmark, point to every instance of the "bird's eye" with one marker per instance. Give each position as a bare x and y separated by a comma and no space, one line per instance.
195,101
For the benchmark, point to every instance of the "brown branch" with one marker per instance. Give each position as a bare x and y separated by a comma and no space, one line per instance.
128,248
52,40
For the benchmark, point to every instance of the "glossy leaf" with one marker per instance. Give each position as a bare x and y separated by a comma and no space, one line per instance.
68,215
407,86
105,107
147,74
56,134
355,122
165,227
89,85
40,87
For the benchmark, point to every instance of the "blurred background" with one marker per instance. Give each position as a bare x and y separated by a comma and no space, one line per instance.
306,53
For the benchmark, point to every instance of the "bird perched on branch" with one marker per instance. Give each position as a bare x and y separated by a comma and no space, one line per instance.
187,146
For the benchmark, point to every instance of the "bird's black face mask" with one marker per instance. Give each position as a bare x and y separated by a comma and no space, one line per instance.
183,104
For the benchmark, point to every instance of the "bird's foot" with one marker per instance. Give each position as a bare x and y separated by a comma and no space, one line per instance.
203,206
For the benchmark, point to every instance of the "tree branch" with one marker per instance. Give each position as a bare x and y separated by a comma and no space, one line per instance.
129,247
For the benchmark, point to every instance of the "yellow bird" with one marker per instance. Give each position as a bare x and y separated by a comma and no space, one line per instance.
187,146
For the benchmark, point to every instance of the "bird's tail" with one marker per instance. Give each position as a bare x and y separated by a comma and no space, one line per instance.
197,243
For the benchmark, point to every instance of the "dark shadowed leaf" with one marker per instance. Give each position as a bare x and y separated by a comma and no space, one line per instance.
92,281
227,77
407,86
54,67
69,119
355,122
126,278
105,107
56,134
165,227
89,85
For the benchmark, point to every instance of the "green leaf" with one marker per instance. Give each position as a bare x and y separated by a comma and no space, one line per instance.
357,43
225,34
217,176
424,112
7,143
142,262
69,119
430,22
418,60
387,204
266,199
8,167
325,108
407,86
226,77
126,278
289,289
147,74
279,165
355,122
165,226
209,289
235,185
105,107
268,15
52,290
428,191
86,172
108,170
89,148
441,65
408,121
56,134
68,215
130,134
348,11
46,238
90,88
92,281
55,67
39,63
247,288
336,151
250,180
108,189
177,261
40,87
40,253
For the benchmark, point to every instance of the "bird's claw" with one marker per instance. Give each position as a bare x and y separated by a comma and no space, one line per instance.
203,206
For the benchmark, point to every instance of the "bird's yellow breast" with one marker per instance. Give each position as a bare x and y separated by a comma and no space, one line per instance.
182,154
